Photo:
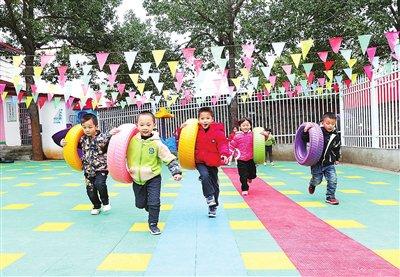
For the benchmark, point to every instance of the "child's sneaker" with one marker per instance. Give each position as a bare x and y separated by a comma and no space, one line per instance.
154,230
211,200
212,211
332,201
245,192
106,208
95,211
265,163
249,181
311,189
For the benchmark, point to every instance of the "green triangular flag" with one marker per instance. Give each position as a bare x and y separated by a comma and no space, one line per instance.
364,42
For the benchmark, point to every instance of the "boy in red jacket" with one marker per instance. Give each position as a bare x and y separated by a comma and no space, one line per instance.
211,151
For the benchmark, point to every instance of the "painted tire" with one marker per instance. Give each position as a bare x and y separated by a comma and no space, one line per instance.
117,153
70,150
310,154
258,145
187,144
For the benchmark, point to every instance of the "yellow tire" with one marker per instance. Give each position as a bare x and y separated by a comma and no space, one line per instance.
187,144
70,150
258,145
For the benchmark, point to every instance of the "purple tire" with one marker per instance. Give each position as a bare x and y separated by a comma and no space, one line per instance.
308,154
57,137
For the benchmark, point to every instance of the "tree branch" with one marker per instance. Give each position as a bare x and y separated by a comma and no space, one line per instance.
395,15
13,23
237,8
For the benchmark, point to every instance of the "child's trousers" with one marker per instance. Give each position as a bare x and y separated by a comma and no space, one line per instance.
318,171
247,170
97,185
147,197
209,180
268,149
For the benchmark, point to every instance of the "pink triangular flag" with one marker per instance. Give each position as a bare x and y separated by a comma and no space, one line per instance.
49,96
248,49
248,62
177,86
98,95
323,55
321,81
266,92
392,38
33,88
287,68
335,43
111,79
132,95
188,54
368,71
214,99
85,89
272,79
121,88
286,85
61,80
179,77
371,53
114,68
259,96
217,83
45,59
231,89
197,65
101,59
2,88
62,69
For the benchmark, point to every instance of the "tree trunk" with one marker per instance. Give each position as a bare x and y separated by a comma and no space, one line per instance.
233,107
37,149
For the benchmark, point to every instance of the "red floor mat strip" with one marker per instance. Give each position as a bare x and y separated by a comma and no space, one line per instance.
313,246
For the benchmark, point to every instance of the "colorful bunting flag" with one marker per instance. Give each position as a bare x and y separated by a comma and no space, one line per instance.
101,59
216,52
296,59
130,58
278,47
323,55
305,46
364,41
248,49
17,60
158,56
335,43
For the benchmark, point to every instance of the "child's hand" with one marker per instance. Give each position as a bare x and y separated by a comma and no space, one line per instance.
63,142
183,125
177,177
114,131
308,127
225,159
337,162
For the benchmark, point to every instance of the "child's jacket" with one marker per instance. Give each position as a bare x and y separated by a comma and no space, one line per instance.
94,151
270,140
148,155
244,143
211,144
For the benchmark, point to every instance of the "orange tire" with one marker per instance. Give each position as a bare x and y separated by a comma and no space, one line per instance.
187,144
70,150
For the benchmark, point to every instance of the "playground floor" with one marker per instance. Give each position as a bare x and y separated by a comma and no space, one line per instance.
277,230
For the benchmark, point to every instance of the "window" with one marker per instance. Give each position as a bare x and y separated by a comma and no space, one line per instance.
11,110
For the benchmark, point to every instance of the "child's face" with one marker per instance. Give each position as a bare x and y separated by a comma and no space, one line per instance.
205,119
89,128
245,126
146,125
329,124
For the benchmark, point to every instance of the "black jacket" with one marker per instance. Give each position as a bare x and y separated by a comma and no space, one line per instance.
331,152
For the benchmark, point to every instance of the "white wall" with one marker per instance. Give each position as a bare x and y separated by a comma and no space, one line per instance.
12,133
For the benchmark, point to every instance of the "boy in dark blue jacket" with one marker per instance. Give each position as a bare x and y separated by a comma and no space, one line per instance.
329,158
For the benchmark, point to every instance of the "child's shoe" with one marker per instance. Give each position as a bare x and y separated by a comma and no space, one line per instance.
265,163
212,211
311,189
245,192
154,230
211,200
249,181
106,208
332,201
95,211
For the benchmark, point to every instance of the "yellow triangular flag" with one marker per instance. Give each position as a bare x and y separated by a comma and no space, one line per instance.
173,65
135,78
165,93
94,103
236,81
352,62
328,85
3,95
296,59
17,60
52,88
320,90
268,86
245,73
16,80
140,87
244,97
305,46
158,56
28,101
37,71
250,93
329,73
174,97
354,78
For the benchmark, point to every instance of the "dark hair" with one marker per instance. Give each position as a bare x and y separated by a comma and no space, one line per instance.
90,116
205,110
149,113
245,119
329,115
268,130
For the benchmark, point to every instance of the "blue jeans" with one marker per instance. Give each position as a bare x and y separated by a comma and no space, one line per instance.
209,181
318,172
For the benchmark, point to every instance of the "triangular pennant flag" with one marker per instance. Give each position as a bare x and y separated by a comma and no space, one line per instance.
17,60
62,69
346,53
121,88
250,93
278,47
179,77
244,97
16,80
61,80
135,78
248,49
45,59
155,76
166,93
305,46
286,85
41,101
56,102
177,86
368,71
214,99
159,86
158,55
248,62
392,38
86,69
329,74
18,88
347,82
2,87
236,82
37,71
307,67
335,43
259,96
49,97
140,87
122,103
216,52
266,71
320,90
348,72
375,62
188,54
321,81
282,89
73,59
323,55
245,73
28,101
287,68
145,70
173,65
296,59
98,95
86,78
114,68
310,77
114,95
268,86
303,84
101,59
157,99
111,80
354,78
148,94
339,79
364,42
197,65
371,51
291,78
352,62
270,59
35,97
132,96
221,63
130,58
272,80
4,95
254,81
94,103
328,64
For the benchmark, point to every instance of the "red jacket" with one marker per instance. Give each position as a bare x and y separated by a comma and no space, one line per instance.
211,144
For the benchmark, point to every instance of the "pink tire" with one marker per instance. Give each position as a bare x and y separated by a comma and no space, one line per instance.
116,153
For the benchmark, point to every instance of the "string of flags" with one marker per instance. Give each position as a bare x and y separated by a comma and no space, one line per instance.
188,76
